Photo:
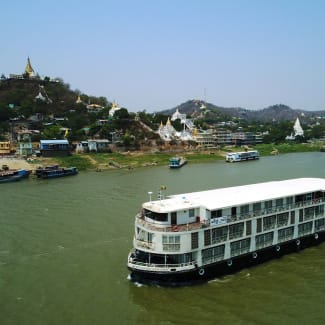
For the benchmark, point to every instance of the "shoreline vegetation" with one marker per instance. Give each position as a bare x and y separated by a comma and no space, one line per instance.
132,160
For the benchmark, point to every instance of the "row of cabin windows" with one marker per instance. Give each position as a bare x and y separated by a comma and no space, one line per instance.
172,243
221,234
216,253
269,205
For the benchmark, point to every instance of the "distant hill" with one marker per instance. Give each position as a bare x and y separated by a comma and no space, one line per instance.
277,112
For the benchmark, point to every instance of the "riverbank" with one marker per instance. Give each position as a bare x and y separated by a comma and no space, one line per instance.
132,160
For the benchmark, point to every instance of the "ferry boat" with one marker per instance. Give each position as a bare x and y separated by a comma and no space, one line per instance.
195,237
242,156
177,162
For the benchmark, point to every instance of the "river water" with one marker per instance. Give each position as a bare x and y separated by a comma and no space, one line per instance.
64,245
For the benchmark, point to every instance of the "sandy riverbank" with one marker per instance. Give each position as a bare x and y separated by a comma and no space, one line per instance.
16,163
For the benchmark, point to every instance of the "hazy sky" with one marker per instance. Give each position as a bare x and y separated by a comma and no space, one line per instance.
155,54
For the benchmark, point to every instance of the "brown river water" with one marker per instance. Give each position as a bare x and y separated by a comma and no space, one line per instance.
64,246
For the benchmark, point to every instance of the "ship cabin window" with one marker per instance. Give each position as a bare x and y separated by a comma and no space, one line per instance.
233,211
282,219
257,207
309,213
258,225
303,197
171,243
285,234
244,209
301,215
268,205
264,240
318,195
213,254
305,228
248,227
216,214
289,200
236,230
269,222
240,247
279,203
319,224
195,240
191,213
292,217
162,217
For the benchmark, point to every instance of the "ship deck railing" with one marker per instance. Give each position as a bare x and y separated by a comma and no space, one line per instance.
141,219
146,266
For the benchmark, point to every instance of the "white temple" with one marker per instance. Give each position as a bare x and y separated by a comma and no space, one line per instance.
297,131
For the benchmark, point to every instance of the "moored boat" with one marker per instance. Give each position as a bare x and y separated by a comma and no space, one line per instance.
177,162
13,175
55,171
242,156
195,237
39,170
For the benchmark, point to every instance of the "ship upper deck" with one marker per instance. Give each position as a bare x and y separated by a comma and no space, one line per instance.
238,195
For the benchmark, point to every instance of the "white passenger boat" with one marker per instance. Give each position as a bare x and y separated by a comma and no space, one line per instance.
194,237
242,156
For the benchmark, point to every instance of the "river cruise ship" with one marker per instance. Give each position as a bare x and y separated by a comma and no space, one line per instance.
194,237
242,156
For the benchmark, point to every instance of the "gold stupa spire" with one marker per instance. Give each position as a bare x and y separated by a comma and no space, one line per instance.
29,69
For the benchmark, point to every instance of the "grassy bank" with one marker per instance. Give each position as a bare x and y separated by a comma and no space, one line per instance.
103,161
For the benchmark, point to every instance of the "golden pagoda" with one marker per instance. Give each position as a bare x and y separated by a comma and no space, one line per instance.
29,69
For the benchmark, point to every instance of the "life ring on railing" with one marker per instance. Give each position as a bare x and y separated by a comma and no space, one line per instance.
229,262
254,255
175,228
298,242
277,248
201,271
316,236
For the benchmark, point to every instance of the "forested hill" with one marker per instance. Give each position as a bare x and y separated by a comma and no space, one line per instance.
277,112
57,97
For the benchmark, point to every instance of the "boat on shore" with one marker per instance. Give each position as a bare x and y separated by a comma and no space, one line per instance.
195,237
242,156
177,162
54,171
13,175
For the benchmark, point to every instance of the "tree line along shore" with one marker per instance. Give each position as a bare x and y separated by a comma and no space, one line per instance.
131,160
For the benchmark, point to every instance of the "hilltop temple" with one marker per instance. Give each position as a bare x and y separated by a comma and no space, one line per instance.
29,71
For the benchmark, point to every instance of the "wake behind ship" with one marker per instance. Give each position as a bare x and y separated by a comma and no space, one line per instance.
195,237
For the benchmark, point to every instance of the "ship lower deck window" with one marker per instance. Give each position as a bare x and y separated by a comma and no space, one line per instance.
171,243
236,230
320,224
319,210
305,228
213,254
285,234
240,247
309,213
264,240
